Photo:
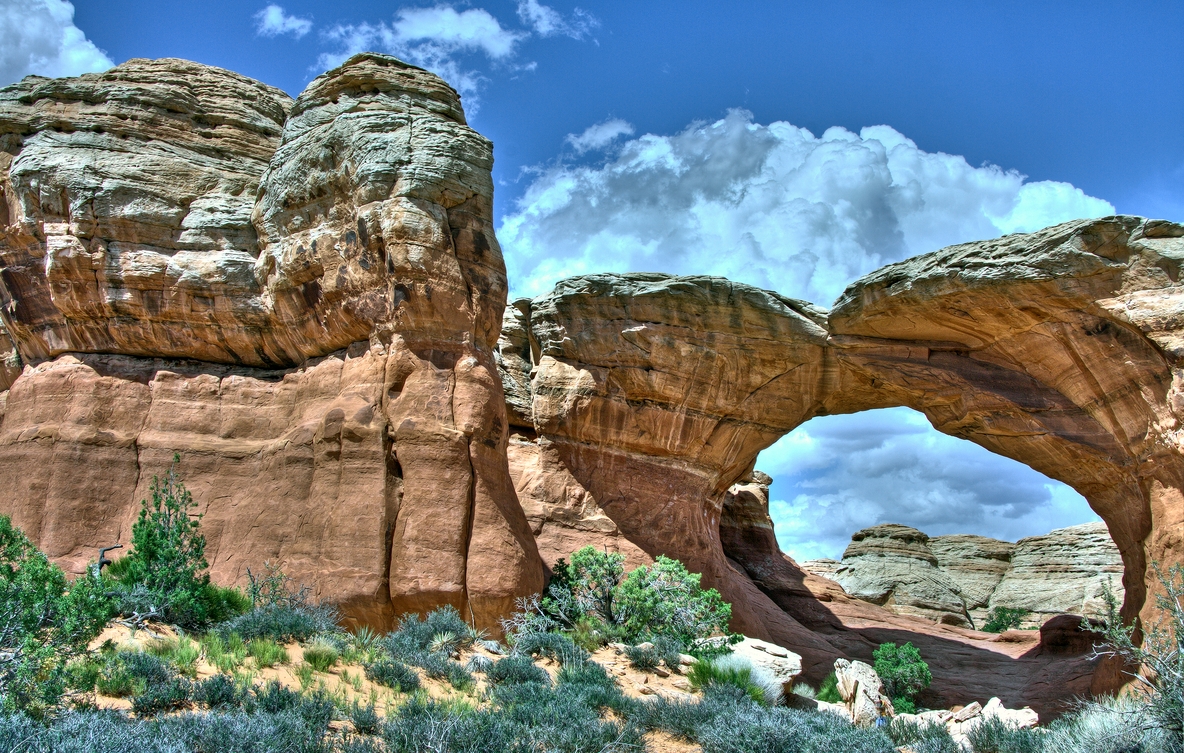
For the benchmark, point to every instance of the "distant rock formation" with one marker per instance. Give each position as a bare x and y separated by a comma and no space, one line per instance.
958,580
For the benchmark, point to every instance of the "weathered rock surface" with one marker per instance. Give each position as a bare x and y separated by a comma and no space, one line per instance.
976,564
891,565
862,691
1063,572
777,663
952,578
324,278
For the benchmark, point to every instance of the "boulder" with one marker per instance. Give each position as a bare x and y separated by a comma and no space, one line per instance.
863,692
779,664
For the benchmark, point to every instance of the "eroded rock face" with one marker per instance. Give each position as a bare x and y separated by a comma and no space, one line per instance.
1063,572
327,272
891,565
959,579
1059,349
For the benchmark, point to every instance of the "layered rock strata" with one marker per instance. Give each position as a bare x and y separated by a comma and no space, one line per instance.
300,297
1060,349
959,579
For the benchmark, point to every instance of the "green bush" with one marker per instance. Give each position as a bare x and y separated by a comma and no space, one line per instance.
266,652
1004,618
414,635
664,599
514,670
165,572
554,646
645,658
393,674
902,670
218,692
45,623
321,656
170,695
828,691
705,674
365,718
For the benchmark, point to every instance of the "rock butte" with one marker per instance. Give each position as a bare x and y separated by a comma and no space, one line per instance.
304,299
959,579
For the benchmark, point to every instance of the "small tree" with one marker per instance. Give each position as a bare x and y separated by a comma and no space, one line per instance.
902,670
1004,618
664,599
168,556
594,576
44,622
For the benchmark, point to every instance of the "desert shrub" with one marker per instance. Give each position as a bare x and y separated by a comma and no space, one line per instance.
282,623
440,667
393,674
272,698
1125,725
554,646
217,692
922,737
515,670
167,561
169,695
756,730
182,653
643,657
478,663
564,718
415,635
320,655
902,670
266,653
904,705
365,718
45,622
683,719
1004,618
828,691
804,690
144,668
664,599
737,672
82,674
587,634
114,680
422,725
992,735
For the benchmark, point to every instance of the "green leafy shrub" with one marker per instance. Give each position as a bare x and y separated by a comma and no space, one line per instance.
45,623
321,656
664,599
828,691
514,670
393,674
904,705
1004,618
182,653
167,561
902,670
115,681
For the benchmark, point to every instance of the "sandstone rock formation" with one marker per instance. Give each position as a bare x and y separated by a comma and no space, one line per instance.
976,564
1063,572
891,565
863,692
304,299
301,298
959,579
777,663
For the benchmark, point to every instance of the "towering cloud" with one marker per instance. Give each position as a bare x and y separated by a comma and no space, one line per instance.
39,36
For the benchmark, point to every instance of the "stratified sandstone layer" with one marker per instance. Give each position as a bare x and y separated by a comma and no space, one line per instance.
891,565
959,579
652,395
300,297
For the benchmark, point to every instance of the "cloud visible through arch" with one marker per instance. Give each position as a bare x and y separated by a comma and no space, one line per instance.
836,474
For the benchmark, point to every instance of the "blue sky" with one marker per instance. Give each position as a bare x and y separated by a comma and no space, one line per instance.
794,146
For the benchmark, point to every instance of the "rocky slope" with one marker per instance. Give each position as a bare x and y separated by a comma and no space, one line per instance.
304,299
959,579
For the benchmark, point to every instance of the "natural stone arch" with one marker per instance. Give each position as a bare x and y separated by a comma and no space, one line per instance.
654,394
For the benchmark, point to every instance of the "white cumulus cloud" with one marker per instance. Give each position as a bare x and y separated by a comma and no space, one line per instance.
436,38
548,22
600,135
836,474
39,36
272,21
770,205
